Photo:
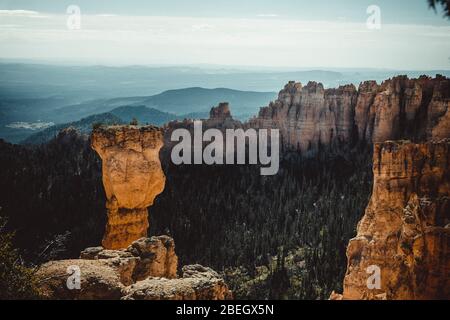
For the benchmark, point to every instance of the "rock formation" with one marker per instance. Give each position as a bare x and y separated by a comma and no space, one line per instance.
129,265
221,112
132,177
312,117
197,283
219,118
406,227
147,269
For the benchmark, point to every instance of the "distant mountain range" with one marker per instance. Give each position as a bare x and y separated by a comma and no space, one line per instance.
178,102
120,115
89,82
190,103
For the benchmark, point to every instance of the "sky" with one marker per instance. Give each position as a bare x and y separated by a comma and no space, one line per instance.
406,35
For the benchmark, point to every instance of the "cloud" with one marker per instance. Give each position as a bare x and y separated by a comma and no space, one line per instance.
106,15
203,26
234,41
21,13
267,15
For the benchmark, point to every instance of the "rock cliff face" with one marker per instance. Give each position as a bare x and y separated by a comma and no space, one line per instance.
132,177
312,117
406,227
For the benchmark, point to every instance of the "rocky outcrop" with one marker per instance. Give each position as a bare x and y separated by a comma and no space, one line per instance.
158,258
311,117
147,270
105,273
405,231
219,118
197,283
100,279
132,178
221,112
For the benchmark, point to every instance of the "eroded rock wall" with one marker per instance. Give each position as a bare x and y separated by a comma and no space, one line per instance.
405,231
311,117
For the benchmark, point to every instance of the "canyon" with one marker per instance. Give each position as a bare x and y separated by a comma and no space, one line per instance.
408,216
404,231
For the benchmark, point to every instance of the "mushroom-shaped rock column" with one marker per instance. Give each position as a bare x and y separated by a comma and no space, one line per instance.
132,178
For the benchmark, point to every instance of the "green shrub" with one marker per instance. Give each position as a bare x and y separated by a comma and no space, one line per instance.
16,280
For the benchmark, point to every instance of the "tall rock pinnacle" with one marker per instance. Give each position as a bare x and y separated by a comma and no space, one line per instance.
132,177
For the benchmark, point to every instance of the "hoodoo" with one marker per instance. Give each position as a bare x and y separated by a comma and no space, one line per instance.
132,177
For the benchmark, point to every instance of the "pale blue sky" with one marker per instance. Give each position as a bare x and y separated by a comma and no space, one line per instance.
395,11
282,33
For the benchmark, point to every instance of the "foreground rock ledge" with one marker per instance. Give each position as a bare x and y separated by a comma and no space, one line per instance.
406,227
146,270
132,178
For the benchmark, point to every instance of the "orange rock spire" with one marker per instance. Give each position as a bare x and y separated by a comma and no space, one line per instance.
132,177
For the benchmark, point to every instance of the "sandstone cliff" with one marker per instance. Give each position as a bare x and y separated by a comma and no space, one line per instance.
406,227
311,117
132,177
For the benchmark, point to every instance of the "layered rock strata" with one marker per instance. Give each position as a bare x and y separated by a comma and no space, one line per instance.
311,117
405,231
